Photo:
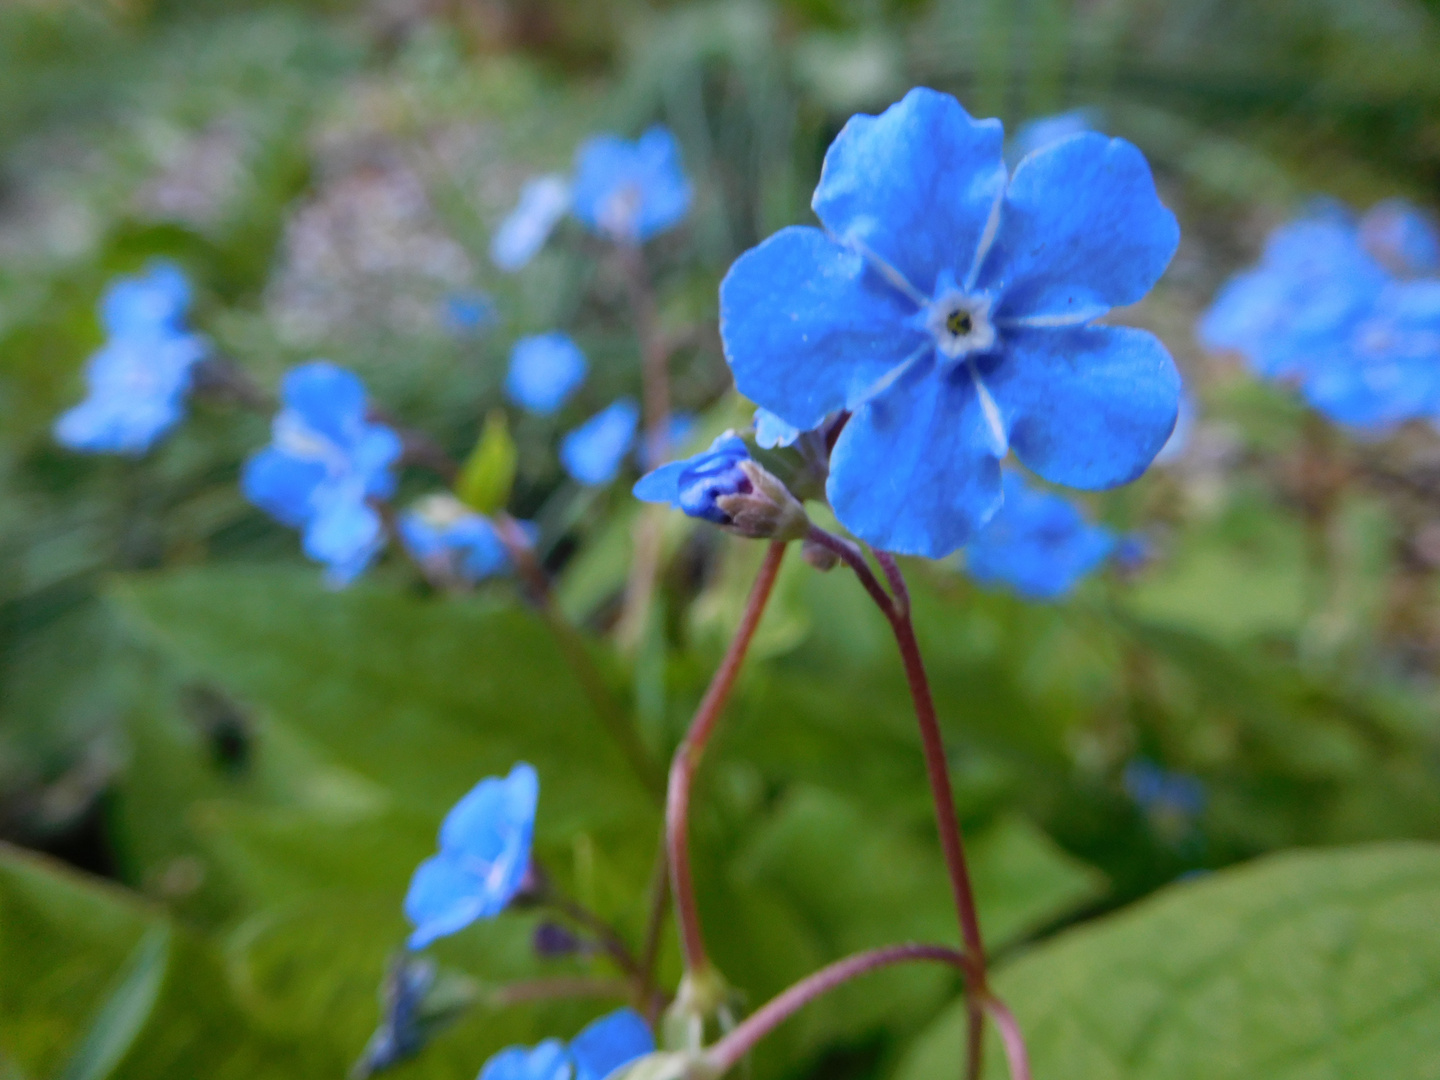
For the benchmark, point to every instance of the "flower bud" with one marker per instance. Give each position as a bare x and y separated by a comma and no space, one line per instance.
766,511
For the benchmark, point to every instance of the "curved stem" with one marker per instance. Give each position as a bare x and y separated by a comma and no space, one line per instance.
689,752
853,558
1010,1037
726,1053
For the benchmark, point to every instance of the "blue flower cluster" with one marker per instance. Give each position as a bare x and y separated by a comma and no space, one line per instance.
949,308
484,857
452,542
1038,544
627,192
601,1048
1335,308
137,381
325,466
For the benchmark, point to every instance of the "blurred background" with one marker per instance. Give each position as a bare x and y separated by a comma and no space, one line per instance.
259,762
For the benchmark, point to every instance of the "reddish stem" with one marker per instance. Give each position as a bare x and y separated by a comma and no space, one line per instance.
1010,1036
726,1053
689,752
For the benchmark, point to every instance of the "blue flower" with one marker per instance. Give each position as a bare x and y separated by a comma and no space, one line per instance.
543,202
137,381
544,371
465,314
593,452
1314,281
1403,237
693,485
604,1046
1040,132
772,432
628,191
1038,544
947,306
484,857
401,1033
324,465
451,540
1159,791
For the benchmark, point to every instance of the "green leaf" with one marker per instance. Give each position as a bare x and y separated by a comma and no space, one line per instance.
1306,964
125,1011
489,472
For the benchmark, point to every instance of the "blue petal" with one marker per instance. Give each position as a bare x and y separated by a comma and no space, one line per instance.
154,300
330,399
544,371
630,191
915,471
345,532
282,485
1038,544
1087,408
1043,130
609,1043
771,431
495,819
548,1061
444,897
1082,231
915,185
592,453
376,449
808,328
543,202
661,485
1403,237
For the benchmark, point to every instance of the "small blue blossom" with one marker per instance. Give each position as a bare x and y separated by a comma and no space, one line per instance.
1038,544
948,306
451,541
1403,237
544,371
325,464
483,861
137,381
1161,792
466,314
1313,283
593,452
630,191
543,202
693,485
604,1046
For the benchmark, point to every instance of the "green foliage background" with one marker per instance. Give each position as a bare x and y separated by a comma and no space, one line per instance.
256,764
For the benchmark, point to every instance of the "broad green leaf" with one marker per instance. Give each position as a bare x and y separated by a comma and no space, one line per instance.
1298,966
489,472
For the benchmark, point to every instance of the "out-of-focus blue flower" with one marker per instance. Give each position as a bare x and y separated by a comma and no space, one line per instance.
1038,544
610,1042
1040,132
452,540
601,1048
401,1033
693,485
1159,791
483,860
544,371
678,430
1132,552
593,452
1312,285
1384,368
948,306
466,314
137,381
630,191
325,463
155,300
772,432
1403,237
543,202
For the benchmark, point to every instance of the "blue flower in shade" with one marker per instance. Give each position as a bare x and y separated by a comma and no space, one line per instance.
693,485
325,464
630,191
1403,237
137,381
544,371
543,202
466,314
1313,283
948,307
1159,791
1038,544
452,540
606,1045
484,857
593,452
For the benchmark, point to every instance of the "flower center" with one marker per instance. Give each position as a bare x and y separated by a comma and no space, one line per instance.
960,323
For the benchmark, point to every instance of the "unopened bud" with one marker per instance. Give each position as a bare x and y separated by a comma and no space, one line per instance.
818,555
767,511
